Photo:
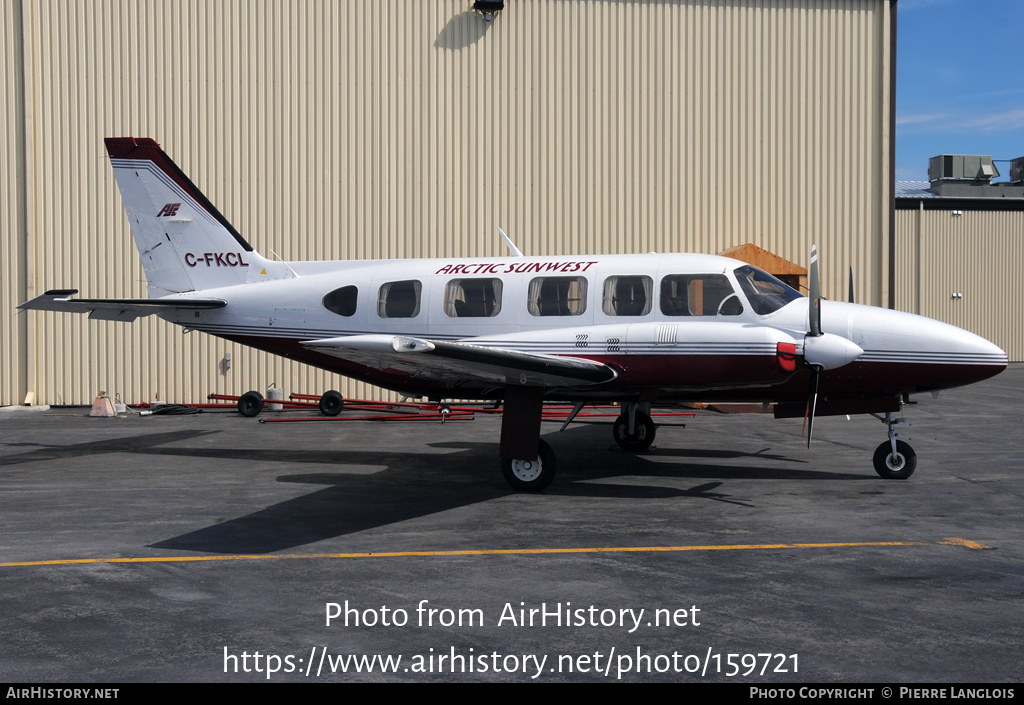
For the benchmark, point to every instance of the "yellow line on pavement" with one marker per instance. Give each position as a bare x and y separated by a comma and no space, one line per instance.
492,552
953,541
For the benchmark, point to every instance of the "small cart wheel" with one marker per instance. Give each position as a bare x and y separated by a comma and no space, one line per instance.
250,404
331,403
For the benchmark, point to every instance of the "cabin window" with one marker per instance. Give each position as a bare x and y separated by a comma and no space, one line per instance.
399,299
628,295
699,295
557,296
342,301
765,293
472,298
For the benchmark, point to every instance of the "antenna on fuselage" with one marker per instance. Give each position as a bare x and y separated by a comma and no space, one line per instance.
516,252
282,261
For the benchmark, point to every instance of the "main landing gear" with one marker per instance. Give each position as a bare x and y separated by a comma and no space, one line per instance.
894,459
634,429
530,475
528,462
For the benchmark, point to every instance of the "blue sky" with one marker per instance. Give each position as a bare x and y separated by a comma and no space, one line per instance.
960,82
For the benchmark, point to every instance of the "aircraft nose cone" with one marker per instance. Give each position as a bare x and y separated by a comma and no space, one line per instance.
984,353
972,358
918,353
943,343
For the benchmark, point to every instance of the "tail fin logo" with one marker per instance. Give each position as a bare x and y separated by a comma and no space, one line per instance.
169,210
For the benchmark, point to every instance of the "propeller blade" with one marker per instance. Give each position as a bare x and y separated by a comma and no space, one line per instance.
851,285
814,315
812,401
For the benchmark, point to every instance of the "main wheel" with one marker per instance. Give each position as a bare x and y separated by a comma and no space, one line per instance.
250,404
895,467
642,436
531,475
331,403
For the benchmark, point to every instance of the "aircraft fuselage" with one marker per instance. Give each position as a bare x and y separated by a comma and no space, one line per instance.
661,350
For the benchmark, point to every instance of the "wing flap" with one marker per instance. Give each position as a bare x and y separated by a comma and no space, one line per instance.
455,362
115,309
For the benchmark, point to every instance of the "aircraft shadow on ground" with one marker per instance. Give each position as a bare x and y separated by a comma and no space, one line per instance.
414,485
124,444
420,484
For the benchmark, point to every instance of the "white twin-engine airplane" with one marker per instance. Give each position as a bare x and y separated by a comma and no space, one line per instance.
634,329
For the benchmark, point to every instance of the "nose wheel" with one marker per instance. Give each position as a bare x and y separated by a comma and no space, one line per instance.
895,459
897,465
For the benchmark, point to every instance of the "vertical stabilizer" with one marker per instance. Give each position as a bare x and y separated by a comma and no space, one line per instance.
184,241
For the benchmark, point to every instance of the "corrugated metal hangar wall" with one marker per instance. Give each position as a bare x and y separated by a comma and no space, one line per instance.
412,128
962,264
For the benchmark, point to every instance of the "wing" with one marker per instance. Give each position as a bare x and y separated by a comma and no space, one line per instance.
115,309
454,362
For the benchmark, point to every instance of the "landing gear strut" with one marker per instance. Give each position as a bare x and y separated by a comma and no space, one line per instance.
527,462
895,459
634,430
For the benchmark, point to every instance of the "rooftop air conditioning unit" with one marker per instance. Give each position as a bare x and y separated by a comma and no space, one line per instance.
1017,170
961,167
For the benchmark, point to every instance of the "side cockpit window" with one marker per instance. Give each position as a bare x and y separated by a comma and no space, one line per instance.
557,296
472,298
399,299
628,295
342,301
765,293
699,295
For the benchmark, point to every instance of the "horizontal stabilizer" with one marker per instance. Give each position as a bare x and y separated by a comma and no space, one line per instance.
116,309
455,362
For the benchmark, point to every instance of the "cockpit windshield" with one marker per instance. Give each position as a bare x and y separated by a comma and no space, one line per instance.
765,293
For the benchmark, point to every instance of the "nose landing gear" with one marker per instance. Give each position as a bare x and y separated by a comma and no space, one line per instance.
894,459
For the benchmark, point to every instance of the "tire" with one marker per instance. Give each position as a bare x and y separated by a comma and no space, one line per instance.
250,404
901,467
642,436
530,475
331,403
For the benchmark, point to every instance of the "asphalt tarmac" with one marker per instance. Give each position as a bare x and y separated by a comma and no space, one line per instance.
216,548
